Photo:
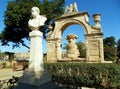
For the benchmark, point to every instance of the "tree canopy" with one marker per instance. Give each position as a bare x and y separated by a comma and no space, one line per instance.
82,48
109,48
18,13
118,48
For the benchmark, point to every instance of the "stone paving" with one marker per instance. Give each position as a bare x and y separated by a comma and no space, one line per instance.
8,73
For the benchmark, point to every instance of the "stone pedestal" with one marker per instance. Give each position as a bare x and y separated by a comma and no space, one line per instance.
35,74
35,79
36,54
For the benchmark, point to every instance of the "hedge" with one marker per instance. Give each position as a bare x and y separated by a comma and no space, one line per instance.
97,75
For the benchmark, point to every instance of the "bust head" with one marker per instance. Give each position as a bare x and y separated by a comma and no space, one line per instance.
35,12
37,20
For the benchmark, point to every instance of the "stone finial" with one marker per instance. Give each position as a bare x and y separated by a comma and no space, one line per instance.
75,7
97,20
71,8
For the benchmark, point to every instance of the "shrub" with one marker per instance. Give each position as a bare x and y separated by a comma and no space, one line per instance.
97,75
6,64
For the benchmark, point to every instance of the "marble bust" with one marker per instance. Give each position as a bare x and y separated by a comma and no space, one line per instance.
37,19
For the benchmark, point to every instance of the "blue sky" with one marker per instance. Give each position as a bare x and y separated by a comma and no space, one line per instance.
110,20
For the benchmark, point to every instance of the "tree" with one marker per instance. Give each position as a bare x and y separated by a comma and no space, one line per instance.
2,55
18,13
118,49
82,49
65,46
109,48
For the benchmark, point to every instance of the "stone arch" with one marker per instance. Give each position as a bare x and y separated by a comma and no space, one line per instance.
71,22
93,36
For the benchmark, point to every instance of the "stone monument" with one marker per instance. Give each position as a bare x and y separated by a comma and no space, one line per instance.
71,9
35,74
36,55
93,35
72,51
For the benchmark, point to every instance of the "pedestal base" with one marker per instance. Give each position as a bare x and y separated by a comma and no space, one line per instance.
35,78
36,54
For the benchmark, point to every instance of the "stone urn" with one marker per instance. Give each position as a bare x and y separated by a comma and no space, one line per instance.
97,19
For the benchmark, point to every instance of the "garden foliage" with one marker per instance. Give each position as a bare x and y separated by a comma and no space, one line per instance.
97,75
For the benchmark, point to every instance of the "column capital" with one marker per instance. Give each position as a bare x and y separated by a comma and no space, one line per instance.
35,33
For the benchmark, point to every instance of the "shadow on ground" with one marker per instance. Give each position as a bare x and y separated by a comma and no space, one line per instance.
49,85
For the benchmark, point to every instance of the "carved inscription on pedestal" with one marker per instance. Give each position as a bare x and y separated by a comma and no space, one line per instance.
94,51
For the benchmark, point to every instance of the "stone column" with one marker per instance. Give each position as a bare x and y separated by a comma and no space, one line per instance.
58,51
94,46
101,50
36,54
54,52
51,50
35,74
